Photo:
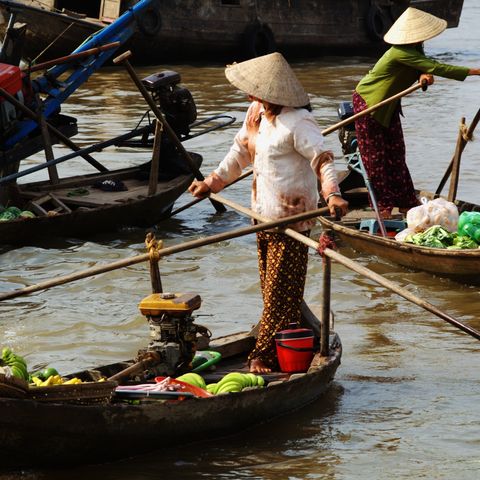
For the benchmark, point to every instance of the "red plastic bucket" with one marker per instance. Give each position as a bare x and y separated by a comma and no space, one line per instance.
294,349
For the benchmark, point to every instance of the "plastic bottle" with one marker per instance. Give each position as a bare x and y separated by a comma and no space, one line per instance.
469,224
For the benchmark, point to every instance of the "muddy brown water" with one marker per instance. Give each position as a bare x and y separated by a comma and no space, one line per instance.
405,401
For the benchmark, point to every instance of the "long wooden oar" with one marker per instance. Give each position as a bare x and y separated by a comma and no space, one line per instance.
163,252
356,267
371,109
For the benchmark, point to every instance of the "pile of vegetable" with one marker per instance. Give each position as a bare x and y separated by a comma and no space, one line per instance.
439,237
231,382
13,365
11,213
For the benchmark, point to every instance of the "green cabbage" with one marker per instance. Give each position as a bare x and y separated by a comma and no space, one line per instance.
438,237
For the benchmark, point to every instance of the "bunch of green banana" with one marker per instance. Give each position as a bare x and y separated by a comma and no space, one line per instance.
14,364
193,379
235,382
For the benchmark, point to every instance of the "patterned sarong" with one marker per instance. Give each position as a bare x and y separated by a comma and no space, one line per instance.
383,155
282,264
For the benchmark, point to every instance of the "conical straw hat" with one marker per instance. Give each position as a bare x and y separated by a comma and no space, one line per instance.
414,26
268,78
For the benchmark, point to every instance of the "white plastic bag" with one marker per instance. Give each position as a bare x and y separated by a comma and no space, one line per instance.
433,212
400,236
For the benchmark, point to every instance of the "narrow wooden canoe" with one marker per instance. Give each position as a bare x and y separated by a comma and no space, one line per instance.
35,433
462,265
75,208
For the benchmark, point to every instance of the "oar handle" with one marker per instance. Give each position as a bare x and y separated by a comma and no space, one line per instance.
371,109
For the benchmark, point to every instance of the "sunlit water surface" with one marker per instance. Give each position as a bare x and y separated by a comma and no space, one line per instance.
405,401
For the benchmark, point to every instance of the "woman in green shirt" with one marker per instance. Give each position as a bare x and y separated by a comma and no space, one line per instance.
380,135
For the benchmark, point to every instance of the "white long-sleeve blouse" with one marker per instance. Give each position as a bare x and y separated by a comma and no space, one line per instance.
288,159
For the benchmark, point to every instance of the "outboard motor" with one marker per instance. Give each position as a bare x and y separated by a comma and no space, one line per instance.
174,101
347,134
173,333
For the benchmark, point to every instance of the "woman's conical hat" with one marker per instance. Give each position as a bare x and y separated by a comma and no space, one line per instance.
268,78
414,26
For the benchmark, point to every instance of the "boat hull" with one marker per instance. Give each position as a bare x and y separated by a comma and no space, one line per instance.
462,265
135,210
34,433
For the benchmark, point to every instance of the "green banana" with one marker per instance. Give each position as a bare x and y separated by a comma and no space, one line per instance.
5,352
229,387
211,388
16,363
253,379
193,379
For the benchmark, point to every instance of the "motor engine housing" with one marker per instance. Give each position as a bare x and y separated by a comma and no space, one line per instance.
347,134
172,330
11,81
176,102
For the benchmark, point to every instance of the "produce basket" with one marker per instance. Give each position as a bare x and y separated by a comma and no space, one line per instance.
12,387
78,393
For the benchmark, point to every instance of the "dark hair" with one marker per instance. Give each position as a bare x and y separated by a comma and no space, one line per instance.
275,110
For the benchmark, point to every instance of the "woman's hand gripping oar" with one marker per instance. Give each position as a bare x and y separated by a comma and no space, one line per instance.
197,200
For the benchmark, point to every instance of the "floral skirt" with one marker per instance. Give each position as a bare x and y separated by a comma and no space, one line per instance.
282,264
383,154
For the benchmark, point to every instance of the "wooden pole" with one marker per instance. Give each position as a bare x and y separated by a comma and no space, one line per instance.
371,109
123,59
162,253
153,246
452,192
57,133
357,267
47,143
70,58
325,320
154,167
463,144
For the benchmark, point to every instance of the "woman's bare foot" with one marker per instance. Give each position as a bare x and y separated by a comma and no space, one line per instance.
257,366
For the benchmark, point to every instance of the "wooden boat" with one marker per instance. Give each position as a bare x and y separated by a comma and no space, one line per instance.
461,265
110,199
99,427
74,207
225,29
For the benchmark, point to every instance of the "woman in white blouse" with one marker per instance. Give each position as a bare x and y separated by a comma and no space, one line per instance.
283,142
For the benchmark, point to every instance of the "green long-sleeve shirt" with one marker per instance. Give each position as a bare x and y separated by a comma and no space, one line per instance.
396,70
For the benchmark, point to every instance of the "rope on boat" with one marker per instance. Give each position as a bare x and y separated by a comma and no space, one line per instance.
153,247
53,41
467,135
325,241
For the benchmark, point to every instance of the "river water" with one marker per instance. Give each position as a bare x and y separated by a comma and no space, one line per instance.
405,401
